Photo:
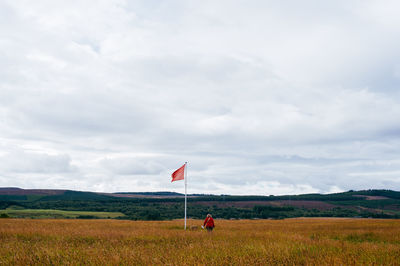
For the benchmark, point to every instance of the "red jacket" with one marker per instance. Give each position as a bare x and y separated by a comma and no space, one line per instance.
209,222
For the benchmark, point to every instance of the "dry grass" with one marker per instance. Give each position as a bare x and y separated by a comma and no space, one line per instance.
257,242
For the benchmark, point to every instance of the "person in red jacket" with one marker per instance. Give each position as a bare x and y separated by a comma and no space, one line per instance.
209,223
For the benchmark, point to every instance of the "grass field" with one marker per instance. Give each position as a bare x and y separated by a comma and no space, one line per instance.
240,242
40,213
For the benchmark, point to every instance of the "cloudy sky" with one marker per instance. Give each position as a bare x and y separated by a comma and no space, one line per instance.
260,97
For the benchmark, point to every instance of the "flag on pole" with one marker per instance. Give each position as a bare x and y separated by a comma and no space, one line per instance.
179,174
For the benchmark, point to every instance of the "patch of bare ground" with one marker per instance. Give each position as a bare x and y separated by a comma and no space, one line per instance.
308,204
371,210
392,207
366,197
123,195
238,204
20,191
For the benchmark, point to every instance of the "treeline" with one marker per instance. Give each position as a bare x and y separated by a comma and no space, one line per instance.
77,195
377,192
172,208
145,210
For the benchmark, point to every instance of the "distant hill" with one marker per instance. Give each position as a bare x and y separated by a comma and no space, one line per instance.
20,191
162,194
168,205
61,194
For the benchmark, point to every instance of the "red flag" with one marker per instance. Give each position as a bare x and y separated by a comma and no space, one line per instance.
179,174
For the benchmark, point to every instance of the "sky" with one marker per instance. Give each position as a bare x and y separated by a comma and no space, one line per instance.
259,97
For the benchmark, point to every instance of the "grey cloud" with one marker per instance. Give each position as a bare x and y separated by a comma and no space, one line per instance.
28,162
132,166
262,96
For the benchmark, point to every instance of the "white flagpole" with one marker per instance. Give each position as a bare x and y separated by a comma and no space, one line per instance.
185,191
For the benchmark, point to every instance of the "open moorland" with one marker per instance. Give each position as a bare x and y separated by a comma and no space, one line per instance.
301,241
41,203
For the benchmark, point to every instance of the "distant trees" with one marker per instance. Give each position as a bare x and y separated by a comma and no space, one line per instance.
225,206
4,215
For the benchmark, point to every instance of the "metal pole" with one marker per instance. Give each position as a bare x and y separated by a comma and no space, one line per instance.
185,191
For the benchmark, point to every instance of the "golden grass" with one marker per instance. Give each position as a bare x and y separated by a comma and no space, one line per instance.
243,242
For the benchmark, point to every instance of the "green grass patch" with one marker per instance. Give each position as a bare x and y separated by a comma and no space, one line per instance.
358,238
366,237
40,213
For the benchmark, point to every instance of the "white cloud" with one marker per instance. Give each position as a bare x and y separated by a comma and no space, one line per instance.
262,96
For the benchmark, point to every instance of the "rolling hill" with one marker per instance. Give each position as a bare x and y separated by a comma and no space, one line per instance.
169,205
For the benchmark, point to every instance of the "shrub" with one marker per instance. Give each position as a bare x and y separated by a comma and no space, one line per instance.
4,215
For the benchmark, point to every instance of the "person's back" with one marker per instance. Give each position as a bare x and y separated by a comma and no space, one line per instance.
209,223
